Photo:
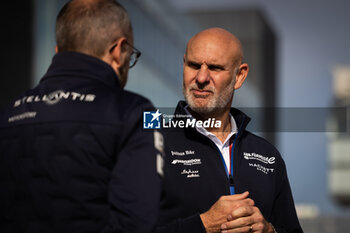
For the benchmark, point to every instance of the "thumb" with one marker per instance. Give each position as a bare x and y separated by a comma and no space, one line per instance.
240,196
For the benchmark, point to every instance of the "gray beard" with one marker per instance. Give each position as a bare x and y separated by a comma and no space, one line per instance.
215,106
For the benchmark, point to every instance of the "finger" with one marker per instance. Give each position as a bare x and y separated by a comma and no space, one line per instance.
248,201
236,197
241,195
240,203
244,229
243,211
238,223
258,217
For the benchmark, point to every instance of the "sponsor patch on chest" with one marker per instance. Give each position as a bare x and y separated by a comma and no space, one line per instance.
260,162
187,162
180,157
261,158
182,153
189,173
261,168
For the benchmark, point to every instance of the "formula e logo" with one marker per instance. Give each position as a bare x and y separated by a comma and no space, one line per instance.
151,120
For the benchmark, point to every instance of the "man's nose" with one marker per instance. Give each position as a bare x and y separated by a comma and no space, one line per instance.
203,75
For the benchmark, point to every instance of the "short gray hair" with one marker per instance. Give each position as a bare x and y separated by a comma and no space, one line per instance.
91,26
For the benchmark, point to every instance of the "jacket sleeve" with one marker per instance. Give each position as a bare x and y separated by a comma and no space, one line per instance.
284,217
135,185
187,225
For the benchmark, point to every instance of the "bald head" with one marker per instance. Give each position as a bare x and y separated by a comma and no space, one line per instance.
91,26
217,39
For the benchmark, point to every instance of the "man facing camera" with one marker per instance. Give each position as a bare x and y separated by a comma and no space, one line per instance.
73,156
221,178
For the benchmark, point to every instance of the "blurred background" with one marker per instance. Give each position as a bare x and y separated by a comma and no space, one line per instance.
299,62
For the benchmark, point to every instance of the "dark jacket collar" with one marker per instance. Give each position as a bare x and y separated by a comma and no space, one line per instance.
241,119
75,64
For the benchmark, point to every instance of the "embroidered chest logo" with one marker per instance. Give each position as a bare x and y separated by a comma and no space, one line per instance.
184,158
261,158
182,153
261,168
190,173
264,159
188,162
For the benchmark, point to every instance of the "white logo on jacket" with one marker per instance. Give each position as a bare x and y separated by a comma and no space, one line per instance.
188,162
190,173
182,153
261,158
55,97
261,168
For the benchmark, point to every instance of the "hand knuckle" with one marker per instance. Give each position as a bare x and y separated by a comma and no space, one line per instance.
238,211
251,202
260,226
246,209
243,222
237,205
258,219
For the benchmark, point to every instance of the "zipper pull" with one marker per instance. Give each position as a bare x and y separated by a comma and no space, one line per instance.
232,183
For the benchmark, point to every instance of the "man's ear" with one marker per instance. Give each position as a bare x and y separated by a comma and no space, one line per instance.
118,53
241,75
56,49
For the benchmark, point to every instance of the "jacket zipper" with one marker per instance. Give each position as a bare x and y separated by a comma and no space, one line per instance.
231,176
235,158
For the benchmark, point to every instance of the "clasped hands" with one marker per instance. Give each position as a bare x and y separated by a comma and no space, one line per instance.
235,213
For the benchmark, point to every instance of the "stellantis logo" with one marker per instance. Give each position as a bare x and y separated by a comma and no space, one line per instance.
151,120
55,97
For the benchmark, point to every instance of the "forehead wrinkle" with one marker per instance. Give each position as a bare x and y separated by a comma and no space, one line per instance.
209,54
206,52
214,44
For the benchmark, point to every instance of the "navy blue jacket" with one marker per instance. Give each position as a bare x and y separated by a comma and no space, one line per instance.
195,178
74,157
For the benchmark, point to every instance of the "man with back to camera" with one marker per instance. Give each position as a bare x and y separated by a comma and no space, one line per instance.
73,157
222,179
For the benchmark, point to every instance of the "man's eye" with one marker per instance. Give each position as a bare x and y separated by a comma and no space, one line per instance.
215,68
194,65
